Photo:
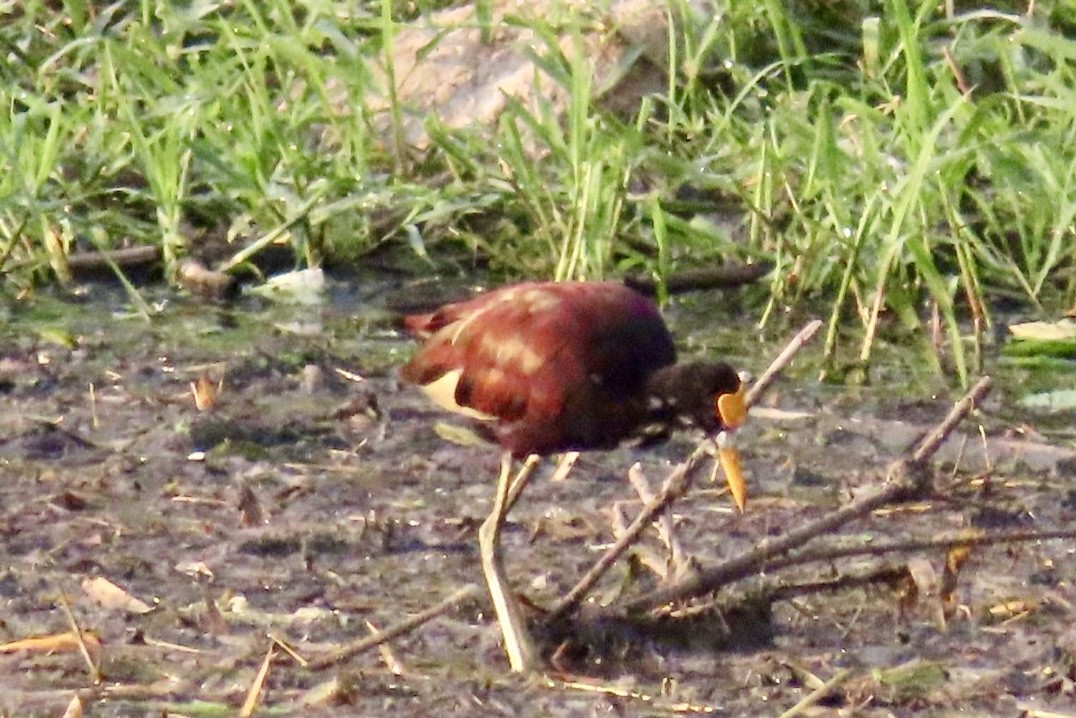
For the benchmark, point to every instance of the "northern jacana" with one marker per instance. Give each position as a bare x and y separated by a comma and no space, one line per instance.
552,367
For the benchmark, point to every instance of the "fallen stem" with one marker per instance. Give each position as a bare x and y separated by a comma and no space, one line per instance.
781,591
889,575
361,645
833,553
83,649
930,443
783,359
254,693
818,693
678,558
675,486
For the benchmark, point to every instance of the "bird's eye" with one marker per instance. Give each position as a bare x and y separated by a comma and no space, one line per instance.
731,409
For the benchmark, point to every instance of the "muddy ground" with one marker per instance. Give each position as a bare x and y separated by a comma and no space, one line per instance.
309,503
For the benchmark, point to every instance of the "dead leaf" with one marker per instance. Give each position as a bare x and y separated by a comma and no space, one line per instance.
1010,609
955,558
56,643
926,587
195,569
112,596
250,510
205,392
1044,331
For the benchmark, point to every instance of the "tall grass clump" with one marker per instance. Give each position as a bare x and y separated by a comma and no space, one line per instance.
890,154
152,123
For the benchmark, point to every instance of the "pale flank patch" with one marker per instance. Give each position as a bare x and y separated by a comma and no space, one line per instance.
443,393
540,301
512,350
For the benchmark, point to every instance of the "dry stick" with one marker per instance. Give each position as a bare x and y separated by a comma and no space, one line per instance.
784,592
780,591
678,558
763,382
650,558
905,479
356,647
254,693
674,487
97,261
677,483
930,443
95,670
832,553
818,693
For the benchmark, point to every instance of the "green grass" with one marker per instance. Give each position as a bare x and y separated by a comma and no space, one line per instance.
887,158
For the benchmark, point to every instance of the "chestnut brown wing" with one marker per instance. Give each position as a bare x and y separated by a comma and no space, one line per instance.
499,343
523,351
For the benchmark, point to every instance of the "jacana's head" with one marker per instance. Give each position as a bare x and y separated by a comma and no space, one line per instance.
708,395
712,397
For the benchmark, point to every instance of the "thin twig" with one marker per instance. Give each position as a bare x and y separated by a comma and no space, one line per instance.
254,693
780,591
95,671
733,275
818,693
387,656
675,486
833,553
356,647
930,443
678,558
763,382
905,479
283,645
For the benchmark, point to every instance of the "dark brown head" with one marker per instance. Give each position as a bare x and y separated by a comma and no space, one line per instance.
710,396
707,395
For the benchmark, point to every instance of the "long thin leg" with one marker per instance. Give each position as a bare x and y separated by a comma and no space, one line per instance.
522,654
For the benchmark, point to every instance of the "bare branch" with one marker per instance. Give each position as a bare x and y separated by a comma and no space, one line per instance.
783,359
364,644
674,487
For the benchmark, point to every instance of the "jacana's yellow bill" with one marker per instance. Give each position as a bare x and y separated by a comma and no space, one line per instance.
730,465
732,408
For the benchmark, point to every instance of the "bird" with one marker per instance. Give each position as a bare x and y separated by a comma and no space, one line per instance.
550,367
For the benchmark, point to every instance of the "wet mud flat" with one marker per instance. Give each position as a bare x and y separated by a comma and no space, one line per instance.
318,500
